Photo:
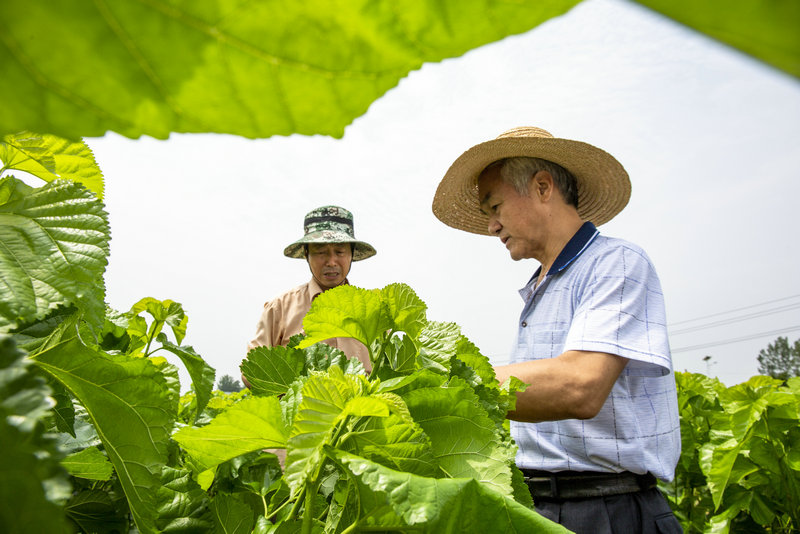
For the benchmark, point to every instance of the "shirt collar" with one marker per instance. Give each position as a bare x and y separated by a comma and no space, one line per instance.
574,248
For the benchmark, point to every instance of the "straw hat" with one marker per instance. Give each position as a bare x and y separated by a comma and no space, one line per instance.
603,185
329,224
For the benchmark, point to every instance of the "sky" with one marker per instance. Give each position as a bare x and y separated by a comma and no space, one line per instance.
708,135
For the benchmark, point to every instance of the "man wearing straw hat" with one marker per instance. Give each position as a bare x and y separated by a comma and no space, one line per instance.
598,423
329,247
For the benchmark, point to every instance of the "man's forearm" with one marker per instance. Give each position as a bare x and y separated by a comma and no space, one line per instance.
573,385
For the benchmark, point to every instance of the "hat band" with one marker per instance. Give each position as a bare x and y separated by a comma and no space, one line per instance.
327,218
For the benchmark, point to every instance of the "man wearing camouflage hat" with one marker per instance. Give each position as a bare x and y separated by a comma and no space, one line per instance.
329,246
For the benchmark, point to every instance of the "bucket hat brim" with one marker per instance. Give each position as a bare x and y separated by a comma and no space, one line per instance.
361,249
604,187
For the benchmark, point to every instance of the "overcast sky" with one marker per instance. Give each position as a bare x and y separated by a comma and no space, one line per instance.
708,135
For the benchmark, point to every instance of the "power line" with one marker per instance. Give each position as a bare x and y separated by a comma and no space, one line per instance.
737,340
737,319
734,310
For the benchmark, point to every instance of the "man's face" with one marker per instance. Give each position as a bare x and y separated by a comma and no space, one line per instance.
516,219
329,263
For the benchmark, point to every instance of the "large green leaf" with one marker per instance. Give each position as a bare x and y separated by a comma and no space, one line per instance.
231,514
271,370
88,463
49,158
393,500
464,438
395,441
766,29
183,506
405,308
254,69
327,400
53,251
346,311
131,408
252,424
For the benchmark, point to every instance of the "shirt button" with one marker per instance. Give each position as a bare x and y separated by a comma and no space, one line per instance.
524,324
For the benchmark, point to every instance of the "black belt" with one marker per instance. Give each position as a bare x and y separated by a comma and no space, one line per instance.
580,484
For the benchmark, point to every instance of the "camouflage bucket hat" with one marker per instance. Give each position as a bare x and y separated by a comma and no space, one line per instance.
329,224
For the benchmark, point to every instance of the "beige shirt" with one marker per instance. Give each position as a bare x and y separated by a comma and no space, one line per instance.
283,317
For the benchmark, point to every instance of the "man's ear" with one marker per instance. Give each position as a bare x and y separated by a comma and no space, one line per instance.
542,185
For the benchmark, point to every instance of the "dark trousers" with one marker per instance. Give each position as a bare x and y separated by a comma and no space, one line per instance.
641,512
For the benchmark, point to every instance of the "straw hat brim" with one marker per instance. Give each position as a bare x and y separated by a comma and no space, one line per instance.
361,251
604,187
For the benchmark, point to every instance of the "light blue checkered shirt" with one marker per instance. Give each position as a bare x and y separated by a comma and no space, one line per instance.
602,294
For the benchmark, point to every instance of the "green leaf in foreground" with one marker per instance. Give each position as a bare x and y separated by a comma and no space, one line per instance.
131,408
53,251
253,69
249,425
766,30
49,157
464,438
346,311
271,370
27,464
393,500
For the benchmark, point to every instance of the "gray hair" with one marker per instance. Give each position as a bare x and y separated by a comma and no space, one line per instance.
518,171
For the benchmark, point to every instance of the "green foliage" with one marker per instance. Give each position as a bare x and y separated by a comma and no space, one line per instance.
32,485
780,359
765,29
420,419
49,157
53,250
253,69
740,467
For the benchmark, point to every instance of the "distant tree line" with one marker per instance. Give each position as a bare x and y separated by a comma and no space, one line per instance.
228,384
780,359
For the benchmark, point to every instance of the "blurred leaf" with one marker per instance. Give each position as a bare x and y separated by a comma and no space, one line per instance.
53,251
765,29
27,463
254,69
97,512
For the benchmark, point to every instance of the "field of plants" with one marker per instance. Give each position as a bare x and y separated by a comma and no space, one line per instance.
95,434
96,437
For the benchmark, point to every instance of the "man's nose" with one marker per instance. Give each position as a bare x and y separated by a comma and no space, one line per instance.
494,225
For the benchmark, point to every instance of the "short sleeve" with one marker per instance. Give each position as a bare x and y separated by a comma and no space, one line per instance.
620,310
267,329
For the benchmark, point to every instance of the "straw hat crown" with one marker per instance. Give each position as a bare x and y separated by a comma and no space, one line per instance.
603,184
